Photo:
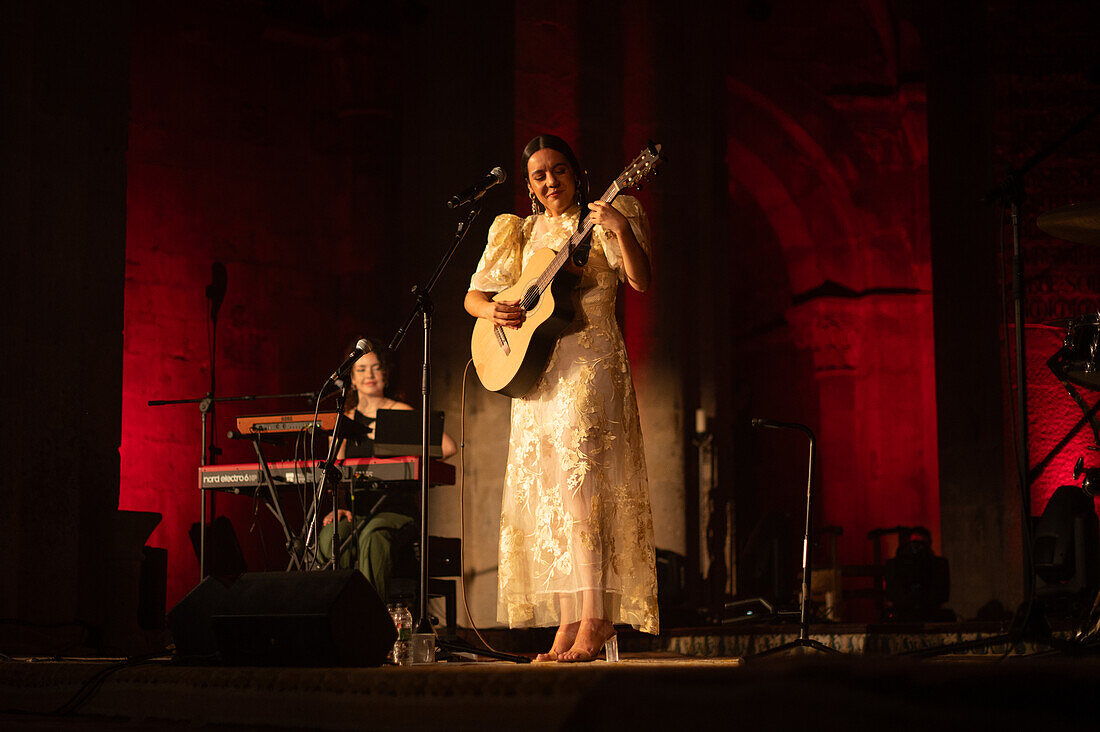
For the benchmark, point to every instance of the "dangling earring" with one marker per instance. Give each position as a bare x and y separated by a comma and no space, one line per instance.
536,207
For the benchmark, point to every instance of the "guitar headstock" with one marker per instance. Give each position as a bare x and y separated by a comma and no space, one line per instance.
641,168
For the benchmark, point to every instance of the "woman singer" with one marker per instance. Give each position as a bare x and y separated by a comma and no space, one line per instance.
576,534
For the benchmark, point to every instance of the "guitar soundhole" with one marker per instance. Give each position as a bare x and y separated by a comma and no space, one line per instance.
530,298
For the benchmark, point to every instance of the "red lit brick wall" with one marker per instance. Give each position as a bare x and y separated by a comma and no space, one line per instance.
247,138
827,155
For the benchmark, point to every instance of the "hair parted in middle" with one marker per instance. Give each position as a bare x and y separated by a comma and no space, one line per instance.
553,142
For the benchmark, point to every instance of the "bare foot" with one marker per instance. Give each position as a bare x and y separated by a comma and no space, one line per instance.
563,641
591,637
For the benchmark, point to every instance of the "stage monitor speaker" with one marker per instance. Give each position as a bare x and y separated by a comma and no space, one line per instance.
287,619
189,621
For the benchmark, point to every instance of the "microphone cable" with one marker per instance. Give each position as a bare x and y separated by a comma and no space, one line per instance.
462,507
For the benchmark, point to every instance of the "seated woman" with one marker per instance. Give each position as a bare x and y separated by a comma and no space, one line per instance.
372,549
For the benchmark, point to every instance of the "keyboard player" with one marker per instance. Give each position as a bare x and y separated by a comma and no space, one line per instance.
371,549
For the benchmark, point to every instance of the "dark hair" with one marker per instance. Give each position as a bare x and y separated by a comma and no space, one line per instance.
553,142
385,360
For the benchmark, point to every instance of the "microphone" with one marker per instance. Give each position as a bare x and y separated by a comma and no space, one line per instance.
363,346
776,425
477,190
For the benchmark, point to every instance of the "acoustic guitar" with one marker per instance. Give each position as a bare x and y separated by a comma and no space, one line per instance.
510,361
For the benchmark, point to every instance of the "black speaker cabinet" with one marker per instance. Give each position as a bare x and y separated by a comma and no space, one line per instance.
284,619
189,621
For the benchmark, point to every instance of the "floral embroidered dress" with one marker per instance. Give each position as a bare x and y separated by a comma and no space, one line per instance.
575,511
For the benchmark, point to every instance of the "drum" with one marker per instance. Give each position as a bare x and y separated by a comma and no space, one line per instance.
1079,358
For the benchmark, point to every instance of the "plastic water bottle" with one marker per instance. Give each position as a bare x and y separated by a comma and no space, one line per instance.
403,622
392,610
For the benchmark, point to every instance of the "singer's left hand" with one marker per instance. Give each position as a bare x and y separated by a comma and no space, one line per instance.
608,217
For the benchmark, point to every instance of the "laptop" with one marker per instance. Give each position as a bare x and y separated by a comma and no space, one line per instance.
397,433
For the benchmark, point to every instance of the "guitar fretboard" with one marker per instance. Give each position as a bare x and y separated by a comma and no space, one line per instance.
531,298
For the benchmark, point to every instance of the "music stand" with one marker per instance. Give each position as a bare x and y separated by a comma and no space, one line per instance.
397,433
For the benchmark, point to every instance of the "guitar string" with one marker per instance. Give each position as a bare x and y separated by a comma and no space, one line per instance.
534,294
531,298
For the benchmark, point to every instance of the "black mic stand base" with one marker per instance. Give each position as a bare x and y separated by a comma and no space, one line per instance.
799,647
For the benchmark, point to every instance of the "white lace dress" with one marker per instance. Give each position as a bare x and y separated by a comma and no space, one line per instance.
575,512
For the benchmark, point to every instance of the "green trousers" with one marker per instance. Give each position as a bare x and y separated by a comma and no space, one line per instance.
372,550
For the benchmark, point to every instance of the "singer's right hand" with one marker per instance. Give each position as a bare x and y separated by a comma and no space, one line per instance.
506,313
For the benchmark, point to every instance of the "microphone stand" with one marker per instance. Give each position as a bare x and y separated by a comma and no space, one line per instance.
804,640
329,474
215,293
423,309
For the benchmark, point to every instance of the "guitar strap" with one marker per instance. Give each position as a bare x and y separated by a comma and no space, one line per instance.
581,251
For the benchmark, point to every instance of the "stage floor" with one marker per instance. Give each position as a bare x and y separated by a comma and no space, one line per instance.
737,640
646,691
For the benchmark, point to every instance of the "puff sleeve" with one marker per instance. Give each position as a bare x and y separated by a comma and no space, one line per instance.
502,262
630,207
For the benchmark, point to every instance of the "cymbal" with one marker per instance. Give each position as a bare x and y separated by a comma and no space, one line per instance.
1079,223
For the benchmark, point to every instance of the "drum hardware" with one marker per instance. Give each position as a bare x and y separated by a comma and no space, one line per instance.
1075,364
1089,418
1079,357
1009,194
1091,483
1078,361
1079,223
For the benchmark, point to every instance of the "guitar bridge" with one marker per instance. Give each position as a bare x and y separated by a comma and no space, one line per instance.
502,339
